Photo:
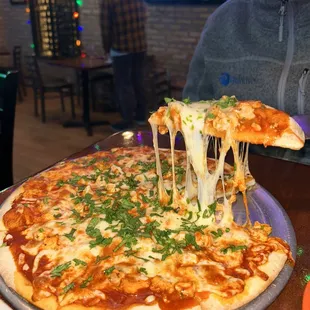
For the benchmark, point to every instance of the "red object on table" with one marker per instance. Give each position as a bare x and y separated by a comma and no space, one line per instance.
306,299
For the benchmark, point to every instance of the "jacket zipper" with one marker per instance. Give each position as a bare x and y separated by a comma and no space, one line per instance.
282,13
289,56
301,92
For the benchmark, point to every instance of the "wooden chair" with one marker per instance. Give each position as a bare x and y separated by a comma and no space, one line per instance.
42,86
8,90
17,63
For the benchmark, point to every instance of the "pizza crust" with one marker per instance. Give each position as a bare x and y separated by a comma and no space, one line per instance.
254,287
294,138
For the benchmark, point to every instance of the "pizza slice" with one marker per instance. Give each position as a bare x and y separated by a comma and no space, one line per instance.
246,121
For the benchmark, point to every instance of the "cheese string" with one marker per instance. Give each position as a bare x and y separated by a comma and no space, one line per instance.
172,134
162,194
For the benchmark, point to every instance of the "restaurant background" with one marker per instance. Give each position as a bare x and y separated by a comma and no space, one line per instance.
173,31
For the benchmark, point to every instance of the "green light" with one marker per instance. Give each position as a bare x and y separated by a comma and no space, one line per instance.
300,251
307,278
79,2
32,45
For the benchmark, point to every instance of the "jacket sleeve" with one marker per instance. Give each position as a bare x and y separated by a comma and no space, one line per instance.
106,24
197,83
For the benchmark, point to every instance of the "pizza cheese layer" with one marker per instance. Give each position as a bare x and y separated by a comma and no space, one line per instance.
92,231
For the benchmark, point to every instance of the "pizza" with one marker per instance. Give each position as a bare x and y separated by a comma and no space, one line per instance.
147,228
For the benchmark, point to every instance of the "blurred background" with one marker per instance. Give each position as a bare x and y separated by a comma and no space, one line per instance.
35,34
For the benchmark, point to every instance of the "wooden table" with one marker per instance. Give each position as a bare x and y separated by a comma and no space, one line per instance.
83,65
289,183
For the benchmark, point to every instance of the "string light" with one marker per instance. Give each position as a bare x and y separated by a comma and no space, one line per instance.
78,43
29,22
83,55
76,15
79,2
80,28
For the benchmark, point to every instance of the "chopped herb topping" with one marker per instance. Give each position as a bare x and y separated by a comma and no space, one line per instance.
210,210
142,270
234,248
168,100
57,271
70,235
210,115
86,282
101,258
217,234
108,271
45,200
187,101
68,288
79,262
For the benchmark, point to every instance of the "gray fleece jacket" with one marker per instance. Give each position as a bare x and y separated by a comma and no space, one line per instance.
255,49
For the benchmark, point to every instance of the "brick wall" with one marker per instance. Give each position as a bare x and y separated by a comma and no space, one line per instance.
173,31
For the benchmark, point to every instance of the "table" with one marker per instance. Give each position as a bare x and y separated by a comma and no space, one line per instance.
289,183
4,52
83,65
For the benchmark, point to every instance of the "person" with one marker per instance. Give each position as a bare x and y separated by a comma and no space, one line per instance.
257,50
123,24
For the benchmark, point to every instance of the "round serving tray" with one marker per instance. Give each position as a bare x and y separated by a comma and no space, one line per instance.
263,207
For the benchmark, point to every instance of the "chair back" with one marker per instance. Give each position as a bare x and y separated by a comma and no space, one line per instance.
8,90
33,72
17,57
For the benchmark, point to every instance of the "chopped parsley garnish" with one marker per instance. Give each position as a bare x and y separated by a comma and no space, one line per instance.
217,234
108,271
4,244
187,101
168,100
57,271
142,270
91,162
60,183
41,230
227,230
210,115
101,258
210,210
199,205
86,282
234,248
56,216
120,157
79,262
68,288
94,232
45,200
226,102
70,235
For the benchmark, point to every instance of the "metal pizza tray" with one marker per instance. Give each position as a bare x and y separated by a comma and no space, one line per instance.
263,207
